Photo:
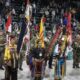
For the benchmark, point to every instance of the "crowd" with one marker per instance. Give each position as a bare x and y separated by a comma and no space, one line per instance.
54,16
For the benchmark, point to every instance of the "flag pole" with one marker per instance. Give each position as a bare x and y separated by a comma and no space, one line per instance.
7,25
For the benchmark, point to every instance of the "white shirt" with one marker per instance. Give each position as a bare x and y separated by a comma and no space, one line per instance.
68,49
56,51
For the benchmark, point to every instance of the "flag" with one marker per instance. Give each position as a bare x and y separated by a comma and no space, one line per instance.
28,14
28,32
27,39
69,29
41,32
69,23
8,25
22,33
28,11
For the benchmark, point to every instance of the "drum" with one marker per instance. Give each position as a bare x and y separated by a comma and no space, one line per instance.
38,67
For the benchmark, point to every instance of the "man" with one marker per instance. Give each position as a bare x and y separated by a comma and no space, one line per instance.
76,52
2,23
21,58
37,54
55,52
2,47
11,59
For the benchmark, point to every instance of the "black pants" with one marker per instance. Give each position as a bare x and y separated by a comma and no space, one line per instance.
75,62
20,61
50,61
1,58
10,73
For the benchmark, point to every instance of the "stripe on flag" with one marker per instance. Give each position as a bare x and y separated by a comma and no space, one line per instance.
8,25
42,32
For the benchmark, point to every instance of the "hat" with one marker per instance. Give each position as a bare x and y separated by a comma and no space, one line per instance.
12,35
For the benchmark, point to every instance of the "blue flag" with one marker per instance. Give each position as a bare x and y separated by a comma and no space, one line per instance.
22,33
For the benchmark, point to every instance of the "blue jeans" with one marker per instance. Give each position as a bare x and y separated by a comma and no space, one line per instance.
59,65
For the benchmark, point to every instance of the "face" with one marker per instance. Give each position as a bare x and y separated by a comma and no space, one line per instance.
13,41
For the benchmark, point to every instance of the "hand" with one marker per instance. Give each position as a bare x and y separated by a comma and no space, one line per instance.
17,56
8,63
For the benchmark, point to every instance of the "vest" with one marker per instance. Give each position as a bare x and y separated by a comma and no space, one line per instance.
10,54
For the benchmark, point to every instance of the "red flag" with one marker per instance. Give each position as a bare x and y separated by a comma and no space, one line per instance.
26,2
8,24
69,29
69,23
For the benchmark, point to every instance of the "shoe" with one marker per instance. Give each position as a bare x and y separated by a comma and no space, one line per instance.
77,67
73,66
21,69
1,68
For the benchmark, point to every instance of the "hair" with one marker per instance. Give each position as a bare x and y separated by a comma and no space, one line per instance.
12,37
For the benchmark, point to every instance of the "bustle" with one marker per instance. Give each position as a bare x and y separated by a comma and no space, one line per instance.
54,39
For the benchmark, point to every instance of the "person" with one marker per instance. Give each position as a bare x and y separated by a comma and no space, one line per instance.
2,47
37,54
11,59
74,25
21,58
76,55
2,22
68,52
55,52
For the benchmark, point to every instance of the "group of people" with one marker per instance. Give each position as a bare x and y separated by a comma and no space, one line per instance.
76,54
10,60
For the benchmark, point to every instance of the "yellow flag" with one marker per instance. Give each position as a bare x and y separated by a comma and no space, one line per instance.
41,33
